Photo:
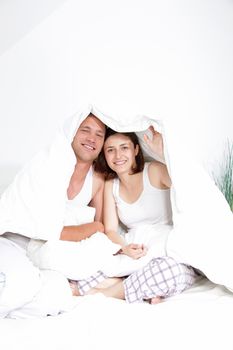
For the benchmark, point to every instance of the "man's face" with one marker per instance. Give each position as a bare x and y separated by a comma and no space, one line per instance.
89,139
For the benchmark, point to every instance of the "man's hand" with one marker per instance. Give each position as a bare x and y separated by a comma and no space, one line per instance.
134,251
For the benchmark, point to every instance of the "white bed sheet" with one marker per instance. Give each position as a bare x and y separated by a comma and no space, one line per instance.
200,318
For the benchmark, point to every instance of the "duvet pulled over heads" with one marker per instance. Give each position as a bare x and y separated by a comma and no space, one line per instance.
34,205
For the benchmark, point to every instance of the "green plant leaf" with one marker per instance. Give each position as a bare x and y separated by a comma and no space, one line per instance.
224,180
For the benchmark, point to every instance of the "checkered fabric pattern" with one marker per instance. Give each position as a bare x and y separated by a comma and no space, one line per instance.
86,284
160,277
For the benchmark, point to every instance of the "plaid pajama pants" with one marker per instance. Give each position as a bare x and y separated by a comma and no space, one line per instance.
91,282
162,277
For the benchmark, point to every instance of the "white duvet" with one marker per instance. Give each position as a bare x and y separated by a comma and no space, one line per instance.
79,260
199,318
34,205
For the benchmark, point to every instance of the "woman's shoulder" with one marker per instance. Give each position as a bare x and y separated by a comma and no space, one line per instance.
158,174
98,181
98,176
109,183
108,187
155,164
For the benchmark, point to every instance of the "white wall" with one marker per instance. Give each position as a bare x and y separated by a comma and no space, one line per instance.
18,17
172,59
35,88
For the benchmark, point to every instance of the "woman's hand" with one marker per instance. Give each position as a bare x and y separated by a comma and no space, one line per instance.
134,251
156,143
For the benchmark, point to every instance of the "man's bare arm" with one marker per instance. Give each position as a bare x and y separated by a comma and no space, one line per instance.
80,232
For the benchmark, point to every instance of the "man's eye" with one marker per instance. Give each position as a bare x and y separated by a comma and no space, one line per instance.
100,135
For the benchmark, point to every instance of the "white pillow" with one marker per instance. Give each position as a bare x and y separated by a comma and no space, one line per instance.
20,279
75,260
53,298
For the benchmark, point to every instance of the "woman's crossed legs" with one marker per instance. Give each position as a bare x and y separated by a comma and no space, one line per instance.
160,278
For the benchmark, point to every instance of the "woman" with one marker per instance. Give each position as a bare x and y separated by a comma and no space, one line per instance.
137,194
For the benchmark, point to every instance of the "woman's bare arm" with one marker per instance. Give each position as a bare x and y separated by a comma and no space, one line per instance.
97,201
111,220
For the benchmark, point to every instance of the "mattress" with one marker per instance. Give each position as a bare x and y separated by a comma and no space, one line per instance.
199,318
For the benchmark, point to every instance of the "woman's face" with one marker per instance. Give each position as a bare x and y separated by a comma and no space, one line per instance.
120,153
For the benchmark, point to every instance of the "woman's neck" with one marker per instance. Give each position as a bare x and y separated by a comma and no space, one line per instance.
131,187
130,181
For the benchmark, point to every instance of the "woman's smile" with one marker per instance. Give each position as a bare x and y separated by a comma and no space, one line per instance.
120,162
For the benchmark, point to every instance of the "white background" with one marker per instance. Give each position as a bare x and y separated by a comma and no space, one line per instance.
169,59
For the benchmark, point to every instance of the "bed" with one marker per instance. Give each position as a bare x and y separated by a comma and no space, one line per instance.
199,318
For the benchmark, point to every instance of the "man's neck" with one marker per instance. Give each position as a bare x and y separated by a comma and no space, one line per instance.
78,178
83,166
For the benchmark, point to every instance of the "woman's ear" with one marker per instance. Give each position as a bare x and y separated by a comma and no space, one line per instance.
136,150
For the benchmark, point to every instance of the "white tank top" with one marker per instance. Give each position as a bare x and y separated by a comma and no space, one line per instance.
152,207
83,198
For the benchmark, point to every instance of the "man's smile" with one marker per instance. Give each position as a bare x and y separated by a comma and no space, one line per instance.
88,147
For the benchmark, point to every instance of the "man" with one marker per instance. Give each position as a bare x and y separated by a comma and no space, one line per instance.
85,184
22,280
